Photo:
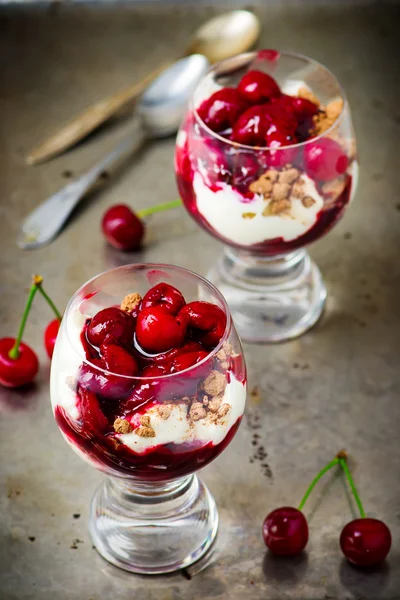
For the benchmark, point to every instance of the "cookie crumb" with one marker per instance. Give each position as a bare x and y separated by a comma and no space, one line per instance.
308,95
277,208
144,431
214,404
122,426
307,201
280,191
248,215
131,301
164,411
215,383
145,420
197,411
223,409
332,189
289,176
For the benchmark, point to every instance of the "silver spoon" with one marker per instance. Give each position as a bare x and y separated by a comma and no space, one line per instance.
160,109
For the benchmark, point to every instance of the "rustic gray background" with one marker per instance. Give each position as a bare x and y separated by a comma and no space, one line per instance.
338,386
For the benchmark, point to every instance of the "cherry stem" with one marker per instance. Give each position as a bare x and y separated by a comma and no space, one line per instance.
145,212
322,472
50,303
14,352
346,470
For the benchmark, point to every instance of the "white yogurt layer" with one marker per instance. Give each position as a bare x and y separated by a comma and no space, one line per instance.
224,209
178,429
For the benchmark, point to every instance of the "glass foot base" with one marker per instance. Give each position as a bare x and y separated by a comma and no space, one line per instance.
271,299
153,528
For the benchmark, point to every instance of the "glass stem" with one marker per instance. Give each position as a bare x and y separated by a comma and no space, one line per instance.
50,303
346,470
145,212
310,488
14,352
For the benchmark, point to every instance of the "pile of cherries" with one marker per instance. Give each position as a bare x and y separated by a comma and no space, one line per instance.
365,542
19,364
160,335
256,113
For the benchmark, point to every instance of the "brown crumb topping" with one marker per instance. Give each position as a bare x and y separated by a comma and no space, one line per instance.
197,411
131,301
122,426
215,383
214,404
307,201
223,410
277,208
164,410
325,118
248,215
145,431
308,95
280,191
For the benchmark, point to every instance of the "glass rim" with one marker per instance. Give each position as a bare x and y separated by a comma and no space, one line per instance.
253,55
141,267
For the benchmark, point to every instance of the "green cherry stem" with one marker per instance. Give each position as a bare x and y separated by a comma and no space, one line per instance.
346,470
50,302
312,485
14,352
146,212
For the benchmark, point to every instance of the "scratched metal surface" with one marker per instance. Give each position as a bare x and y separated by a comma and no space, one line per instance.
338,386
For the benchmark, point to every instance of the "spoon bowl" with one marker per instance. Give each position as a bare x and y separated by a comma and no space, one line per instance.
163,104
225,35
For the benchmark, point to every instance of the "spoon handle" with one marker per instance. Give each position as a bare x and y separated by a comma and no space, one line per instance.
45,222
89,120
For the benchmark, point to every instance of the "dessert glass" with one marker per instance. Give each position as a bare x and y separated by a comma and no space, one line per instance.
152,514
274,290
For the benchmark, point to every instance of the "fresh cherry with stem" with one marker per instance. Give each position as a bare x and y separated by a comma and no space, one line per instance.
18,362
124,229
285,529
365,542
51,331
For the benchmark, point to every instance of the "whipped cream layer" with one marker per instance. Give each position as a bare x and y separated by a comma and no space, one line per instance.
178,428
224,210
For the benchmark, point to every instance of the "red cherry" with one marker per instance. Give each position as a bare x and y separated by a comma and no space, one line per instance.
111,321
50,336
213,158
187,360
92,416
15,372
278,156
118,360
122,228
222,109
97,381
303,108
285,531
158,331
155,371
282,116
164,295
325,159
167,357
365,542
256,86
208,321
251,127
245,170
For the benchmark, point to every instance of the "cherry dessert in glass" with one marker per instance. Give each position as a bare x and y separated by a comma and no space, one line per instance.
148,384
265,162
